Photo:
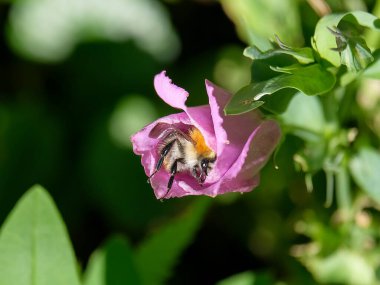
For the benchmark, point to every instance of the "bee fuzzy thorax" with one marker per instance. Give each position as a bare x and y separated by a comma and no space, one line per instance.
201,148
185,152
188,148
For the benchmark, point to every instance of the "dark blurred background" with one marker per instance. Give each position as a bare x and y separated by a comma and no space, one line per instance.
75,86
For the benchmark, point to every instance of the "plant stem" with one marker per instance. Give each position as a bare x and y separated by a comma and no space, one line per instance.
343,195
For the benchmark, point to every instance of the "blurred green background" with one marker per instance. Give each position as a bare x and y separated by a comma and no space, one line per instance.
76,80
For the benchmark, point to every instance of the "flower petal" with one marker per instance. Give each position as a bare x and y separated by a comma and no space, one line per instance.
159,184
243,175
176,97
172,94
255,153
231,132
220,187
146,140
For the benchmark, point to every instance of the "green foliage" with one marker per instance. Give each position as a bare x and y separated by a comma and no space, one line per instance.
373,70
281,76
78,23
112,264
36,249
256,21
67,125
302,55
353,51
158,254
342,267
339,251
305,118
248,278
337,39
34,244
365,170
311,80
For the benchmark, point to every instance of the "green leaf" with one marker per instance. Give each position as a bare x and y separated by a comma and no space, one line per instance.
302,55
113,264
279,103
364,169
353,50
325,42
263,68
156,256
341,267
364,19
257,20
34,244
304,113
305,118
266,65
311,80
373,70
248,278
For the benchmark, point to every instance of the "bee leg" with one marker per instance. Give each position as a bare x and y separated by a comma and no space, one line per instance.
195,172
163,154
173,171
198,175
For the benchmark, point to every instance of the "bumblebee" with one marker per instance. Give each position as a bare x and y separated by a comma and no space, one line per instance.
184,151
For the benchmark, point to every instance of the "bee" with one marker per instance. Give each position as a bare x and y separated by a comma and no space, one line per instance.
184,151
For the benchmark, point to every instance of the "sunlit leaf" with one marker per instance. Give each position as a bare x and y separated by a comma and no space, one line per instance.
365,168
311,80
157,255
342,267
266,64
356,57
112,264
34,244
325,42
373,70
256,21
302,55
48,30
352,48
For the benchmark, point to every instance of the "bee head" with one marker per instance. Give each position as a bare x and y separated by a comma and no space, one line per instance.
204,168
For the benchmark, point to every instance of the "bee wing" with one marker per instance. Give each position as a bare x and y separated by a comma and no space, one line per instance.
164,130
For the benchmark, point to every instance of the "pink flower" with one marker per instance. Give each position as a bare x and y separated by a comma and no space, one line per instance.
205,152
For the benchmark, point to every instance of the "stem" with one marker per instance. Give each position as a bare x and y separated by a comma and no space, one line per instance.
330,107
343,195
320,7
329,187
309,182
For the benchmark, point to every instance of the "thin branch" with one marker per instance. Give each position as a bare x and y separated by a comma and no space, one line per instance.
320,7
